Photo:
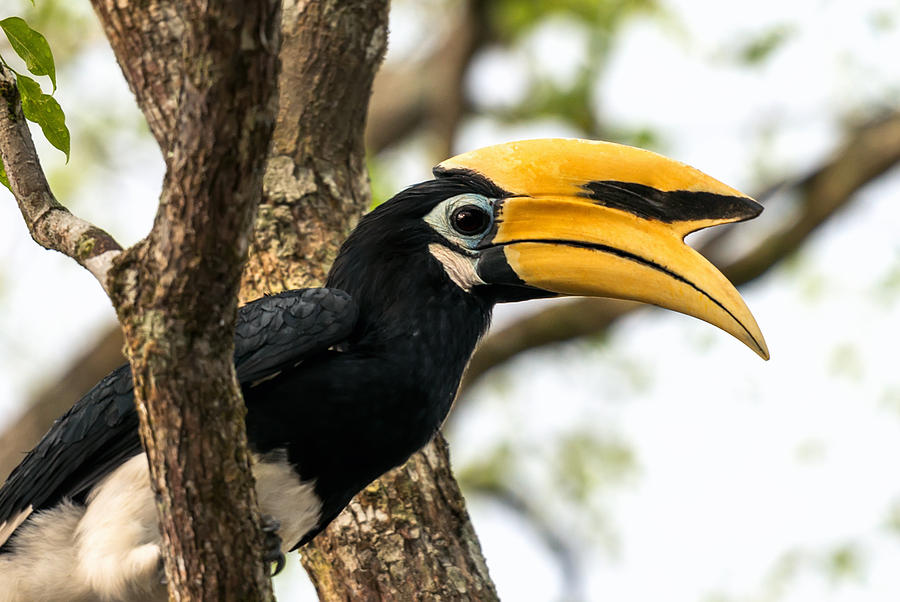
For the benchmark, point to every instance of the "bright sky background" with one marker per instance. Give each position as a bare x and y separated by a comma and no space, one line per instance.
752,478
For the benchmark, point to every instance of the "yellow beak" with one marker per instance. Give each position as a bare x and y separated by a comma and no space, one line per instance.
599,219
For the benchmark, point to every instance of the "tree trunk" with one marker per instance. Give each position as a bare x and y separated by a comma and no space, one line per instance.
316,183
407,536
205,76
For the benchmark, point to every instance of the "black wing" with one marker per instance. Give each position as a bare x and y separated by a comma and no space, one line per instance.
100,431
97,434
276,332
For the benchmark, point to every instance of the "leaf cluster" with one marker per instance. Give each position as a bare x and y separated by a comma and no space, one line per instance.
32,47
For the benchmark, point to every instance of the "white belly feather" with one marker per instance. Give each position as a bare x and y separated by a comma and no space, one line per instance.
110,548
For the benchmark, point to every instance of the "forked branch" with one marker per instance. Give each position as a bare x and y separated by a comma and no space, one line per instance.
51,225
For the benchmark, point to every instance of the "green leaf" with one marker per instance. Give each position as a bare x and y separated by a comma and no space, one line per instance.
31,46
3,179
45,111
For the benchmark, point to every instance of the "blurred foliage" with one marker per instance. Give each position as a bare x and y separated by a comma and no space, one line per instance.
759,49
512,21
840,563
380,180
890,399
893,519
884,20
98,137
513,18
845,362
582,467
888,288
584,464
843,562
487,473
781,575
813,286
811,451
548,99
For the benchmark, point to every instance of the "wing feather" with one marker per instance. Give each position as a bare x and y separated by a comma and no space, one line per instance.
100,432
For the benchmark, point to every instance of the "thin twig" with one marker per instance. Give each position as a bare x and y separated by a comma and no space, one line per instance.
51,225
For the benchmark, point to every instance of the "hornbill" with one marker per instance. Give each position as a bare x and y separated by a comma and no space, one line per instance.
343,383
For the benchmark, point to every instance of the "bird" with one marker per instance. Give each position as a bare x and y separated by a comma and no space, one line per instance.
344,382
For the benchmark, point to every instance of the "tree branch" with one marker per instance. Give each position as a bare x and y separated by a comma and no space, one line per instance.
147,44
433,88
868,153
175,294
50,224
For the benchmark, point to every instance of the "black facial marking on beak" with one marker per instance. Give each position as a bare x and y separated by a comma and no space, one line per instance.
669,206
493,268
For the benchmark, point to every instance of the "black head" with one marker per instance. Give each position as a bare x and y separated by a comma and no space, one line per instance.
427,236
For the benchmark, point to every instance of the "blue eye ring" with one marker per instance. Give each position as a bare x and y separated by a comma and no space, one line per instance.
463,220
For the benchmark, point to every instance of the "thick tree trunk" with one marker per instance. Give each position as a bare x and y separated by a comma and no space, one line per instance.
175,292
407,536
205,77
316,183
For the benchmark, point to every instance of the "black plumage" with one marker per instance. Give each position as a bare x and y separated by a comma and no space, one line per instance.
350,379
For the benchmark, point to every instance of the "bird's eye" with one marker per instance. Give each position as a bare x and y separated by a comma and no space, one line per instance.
470,219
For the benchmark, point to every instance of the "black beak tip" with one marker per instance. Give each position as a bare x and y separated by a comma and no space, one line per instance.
747,208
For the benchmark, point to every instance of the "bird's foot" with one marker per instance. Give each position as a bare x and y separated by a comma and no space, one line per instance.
272,542
161,571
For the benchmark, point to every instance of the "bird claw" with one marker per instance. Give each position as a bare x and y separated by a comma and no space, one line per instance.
279,564
272,543
163,580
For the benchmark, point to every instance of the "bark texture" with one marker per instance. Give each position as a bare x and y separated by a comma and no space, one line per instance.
176,291
407,536
146,36
316,182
